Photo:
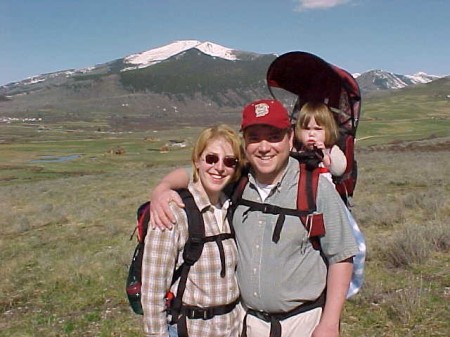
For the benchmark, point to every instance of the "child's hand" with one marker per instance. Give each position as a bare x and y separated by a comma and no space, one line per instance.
319,145
326,160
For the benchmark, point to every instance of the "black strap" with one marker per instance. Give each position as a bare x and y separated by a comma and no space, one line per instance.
306,195
218,239
310,195
272,209
193,250
182,327
275,318
194,312
311,158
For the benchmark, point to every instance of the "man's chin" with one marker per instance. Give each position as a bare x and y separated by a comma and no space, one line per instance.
264,165
266,168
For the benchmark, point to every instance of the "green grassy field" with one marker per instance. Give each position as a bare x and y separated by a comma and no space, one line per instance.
65,243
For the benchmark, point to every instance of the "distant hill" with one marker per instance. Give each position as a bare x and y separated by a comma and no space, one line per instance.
375,80
410,113
182,82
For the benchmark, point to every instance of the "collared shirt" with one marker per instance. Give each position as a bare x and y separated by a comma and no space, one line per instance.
204,287
277,277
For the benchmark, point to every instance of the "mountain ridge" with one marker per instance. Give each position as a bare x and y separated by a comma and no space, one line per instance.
184,81
156,55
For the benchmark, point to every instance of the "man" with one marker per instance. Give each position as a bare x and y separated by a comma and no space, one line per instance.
283,282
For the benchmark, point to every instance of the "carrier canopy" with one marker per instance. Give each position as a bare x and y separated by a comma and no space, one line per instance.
311,78
308,78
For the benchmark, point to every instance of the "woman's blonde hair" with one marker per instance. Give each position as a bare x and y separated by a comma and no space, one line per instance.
221,131
323,117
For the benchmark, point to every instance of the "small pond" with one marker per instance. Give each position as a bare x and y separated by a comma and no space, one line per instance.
56,159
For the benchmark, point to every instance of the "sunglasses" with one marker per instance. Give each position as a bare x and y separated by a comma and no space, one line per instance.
228,161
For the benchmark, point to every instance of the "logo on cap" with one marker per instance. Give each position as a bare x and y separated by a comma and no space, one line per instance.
261,109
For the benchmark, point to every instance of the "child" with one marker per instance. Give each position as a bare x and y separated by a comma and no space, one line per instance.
315,129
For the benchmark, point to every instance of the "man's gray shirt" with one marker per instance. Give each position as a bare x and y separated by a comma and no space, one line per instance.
277,277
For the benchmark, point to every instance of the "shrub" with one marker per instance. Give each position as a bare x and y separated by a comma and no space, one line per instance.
413,244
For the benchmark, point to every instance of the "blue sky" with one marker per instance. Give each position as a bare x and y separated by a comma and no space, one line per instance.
400,36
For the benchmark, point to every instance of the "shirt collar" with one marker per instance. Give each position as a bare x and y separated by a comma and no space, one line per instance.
201,198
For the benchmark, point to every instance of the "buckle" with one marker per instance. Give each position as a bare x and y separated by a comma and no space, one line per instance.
207,314
262,315
270,209
190,313
196,313
309,223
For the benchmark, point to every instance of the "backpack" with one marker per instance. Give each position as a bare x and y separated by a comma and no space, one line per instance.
191,253
310,78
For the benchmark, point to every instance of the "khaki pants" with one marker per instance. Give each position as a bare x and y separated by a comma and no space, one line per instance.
301,325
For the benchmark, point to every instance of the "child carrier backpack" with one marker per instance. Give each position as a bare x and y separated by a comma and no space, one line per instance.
191,253
310,78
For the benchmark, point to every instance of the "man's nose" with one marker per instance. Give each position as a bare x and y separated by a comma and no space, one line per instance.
264,146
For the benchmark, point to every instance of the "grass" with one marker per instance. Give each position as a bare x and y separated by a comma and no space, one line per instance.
402,204
65,243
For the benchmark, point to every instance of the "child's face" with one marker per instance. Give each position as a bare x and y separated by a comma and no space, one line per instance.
312,135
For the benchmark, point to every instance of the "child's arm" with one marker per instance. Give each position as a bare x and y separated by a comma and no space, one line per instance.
337,163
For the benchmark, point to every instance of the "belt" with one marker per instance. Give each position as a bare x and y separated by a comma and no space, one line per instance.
274,318
194,312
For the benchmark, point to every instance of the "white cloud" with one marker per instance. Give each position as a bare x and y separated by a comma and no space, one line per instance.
319,4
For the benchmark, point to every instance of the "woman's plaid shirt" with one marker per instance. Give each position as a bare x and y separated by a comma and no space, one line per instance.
204,287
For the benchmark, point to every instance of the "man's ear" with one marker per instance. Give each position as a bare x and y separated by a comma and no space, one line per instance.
291,138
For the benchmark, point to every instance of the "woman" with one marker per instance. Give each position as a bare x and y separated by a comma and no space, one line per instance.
217,159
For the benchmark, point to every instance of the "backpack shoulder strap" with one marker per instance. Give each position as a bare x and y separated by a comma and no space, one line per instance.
196,230
143,218
306,203
192,250
307,188
346,183
239,187
236,196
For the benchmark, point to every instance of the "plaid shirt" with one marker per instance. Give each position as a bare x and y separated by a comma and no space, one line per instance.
204,286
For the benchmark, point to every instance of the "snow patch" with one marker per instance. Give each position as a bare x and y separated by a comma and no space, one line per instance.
216,50
421,77
153,56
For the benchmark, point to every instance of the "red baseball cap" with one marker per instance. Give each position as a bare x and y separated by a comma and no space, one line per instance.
266,112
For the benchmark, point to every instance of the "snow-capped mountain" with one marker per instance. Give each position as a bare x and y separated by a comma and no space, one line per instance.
383,80
137,61
153,56
201,79
422,77
202,76
368,81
